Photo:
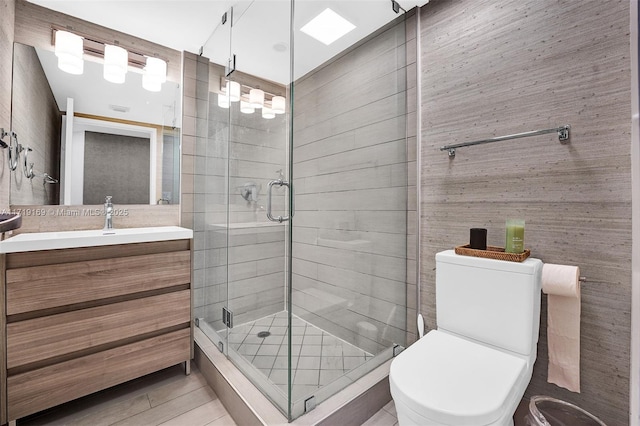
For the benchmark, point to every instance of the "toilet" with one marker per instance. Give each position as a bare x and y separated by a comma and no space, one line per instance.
474,368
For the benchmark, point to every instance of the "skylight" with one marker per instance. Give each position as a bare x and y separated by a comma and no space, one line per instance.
327,27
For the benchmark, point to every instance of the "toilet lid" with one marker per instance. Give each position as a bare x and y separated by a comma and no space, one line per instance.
454,381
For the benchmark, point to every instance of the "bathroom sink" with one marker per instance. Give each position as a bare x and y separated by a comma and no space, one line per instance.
88,238
10,221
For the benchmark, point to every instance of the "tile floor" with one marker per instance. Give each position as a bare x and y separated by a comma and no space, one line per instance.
385,417
167,398
317,357
164,398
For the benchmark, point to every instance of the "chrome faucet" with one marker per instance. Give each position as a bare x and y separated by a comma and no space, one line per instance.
108,213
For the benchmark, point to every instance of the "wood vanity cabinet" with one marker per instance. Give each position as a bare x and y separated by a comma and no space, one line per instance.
80,320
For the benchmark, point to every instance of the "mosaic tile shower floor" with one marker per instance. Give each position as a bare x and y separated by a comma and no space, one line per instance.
317,357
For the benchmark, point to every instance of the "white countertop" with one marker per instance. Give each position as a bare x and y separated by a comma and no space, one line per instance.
71,239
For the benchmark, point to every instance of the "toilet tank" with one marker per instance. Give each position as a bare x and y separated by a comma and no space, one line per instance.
492,301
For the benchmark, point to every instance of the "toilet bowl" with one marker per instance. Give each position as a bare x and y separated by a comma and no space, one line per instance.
474,368
443,379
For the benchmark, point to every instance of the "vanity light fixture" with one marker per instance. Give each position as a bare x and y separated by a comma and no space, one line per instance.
71,46
327,27
278,104
155,73
250,98
68,50
115,63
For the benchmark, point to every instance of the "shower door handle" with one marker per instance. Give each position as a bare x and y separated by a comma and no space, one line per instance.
278,182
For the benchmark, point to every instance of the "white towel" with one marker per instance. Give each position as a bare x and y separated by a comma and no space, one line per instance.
561,284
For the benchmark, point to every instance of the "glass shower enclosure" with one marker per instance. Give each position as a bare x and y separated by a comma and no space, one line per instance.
301,197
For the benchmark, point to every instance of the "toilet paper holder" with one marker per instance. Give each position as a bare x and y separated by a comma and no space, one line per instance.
583,280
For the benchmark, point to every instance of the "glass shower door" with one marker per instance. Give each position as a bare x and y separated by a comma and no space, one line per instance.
210,186
304,300
348,295
257,206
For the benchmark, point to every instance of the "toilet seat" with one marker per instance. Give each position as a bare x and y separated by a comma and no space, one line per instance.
446,379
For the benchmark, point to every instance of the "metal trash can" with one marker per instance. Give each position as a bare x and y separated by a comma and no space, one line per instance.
547,411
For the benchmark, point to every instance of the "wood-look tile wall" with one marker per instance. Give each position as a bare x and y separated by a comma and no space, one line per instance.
189,101
256,253
497,68
7,25
195,81
350,173
243,268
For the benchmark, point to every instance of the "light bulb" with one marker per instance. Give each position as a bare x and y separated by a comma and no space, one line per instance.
267,113
278,104
151,84
68,49
233,91
256,98
155,73
115,63
246,107
223,100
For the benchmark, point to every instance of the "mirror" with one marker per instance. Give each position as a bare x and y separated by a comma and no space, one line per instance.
93,137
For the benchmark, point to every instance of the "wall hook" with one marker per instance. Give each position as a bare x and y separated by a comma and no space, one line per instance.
3,133
14,151
48,179
28,170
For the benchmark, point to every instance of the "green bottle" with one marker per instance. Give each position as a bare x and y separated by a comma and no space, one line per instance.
515,236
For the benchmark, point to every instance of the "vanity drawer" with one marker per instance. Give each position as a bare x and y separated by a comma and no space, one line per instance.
44,287
49,386
52,337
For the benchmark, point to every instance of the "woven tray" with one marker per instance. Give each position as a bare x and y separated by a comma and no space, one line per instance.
493,252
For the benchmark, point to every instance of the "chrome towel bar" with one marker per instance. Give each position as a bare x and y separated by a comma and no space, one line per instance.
563,135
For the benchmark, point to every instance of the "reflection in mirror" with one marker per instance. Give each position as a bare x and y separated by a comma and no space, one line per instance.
121,140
